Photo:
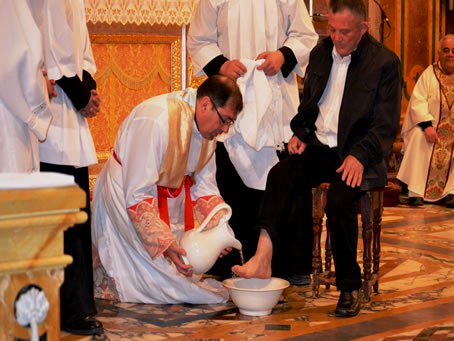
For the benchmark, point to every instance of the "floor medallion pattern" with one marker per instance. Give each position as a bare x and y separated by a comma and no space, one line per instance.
415,299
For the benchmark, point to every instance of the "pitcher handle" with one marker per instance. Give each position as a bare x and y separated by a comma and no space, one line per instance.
210,216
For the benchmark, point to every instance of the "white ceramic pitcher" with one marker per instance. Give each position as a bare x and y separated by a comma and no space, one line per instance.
203,247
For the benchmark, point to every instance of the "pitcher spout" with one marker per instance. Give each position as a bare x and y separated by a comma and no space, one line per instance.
232,241
236,244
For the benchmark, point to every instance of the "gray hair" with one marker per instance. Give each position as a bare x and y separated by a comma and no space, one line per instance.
355,6
445,37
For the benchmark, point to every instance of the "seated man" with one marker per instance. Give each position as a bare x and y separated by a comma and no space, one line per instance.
263,45
428,133
343,131
159,181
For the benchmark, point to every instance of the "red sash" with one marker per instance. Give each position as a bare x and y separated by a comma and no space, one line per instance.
166,192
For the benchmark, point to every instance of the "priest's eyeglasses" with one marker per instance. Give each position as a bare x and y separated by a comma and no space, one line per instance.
228,122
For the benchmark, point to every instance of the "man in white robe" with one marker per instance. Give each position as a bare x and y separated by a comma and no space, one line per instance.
24,105
240,39
69,146
159,182
428,133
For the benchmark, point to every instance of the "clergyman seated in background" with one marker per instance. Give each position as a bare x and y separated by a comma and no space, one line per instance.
428,133
159,180
346,124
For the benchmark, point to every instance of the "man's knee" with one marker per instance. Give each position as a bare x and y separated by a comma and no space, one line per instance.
284,169
340,196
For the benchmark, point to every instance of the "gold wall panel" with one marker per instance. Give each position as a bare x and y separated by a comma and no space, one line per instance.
131,67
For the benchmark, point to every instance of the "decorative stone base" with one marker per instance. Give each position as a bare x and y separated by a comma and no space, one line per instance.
32,223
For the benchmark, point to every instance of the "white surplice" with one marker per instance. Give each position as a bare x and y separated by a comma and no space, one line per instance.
140,146
243,29
255,136
24,105
424,106
67,52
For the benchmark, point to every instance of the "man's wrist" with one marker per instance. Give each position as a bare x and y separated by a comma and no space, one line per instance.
213,67
289,60
425,125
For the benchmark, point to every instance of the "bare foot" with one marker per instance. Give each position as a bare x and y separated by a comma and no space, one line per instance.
259,266
254,268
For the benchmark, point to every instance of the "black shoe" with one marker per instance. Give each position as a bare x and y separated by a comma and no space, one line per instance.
86,326
403,187
416,201
449,201
349,303
299,280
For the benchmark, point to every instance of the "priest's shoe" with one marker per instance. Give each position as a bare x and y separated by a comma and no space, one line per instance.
349,303
416,201
86,326
449,201
299,280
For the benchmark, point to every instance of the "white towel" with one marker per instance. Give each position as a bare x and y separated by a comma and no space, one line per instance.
258,132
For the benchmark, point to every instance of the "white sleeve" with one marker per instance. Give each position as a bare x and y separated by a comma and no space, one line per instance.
23,88
418,110
301,34
141,154
89,64
203,36
66,43
205,181
57,36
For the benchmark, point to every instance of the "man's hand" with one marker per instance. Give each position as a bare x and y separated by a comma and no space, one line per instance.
295,146
273,62
175,252
225,252
352,171
431,135
233,69
50,83
92,108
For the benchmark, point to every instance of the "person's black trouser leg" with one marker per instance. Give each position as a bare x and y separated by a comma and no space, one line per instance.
295,177
245,203
76,292
342,215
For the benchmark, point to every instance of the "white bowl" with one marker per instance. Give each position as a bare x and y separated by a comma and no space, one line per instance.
255,296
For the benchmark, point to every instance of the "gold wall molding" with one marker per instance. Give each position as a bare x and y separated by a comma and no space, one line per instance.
150,12
172,76
134,63
130,69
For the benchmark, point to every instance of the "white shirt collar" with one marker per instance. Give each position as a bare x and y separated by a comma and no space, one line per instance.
338,58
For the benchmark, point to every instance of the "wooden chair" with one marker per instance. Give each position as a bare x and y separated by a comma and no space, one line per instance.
371,209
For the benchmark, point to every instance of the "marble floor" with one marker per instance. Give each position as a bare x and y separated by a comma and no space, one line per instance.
415,299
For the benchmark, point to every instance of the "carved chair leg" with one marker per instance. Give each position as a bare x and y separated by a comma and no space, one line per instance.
328,252
371,205
377,205
366,219
318,209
